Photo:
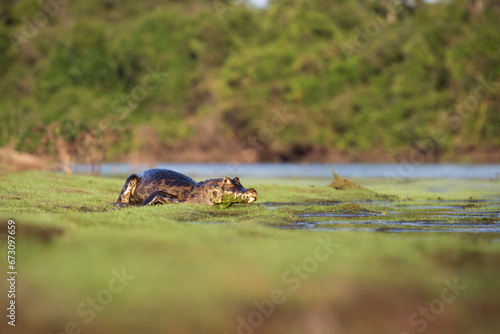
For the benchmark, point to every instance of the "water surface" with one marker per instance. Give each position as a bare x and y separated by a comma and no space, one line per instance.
311,170
388,217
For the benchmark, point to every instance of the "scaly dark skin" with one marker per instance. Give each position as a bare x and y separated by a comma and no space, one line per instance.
161,186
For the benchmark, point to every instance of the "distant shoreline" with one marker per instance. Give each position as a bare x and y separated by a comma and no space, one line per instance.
12,160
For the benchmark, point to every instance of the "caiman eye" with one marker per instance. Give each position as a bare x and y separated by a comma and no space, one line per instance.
237,180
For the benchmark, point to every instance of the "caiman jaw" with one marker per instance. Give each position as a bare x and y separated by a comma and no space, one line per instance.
251,195
248,196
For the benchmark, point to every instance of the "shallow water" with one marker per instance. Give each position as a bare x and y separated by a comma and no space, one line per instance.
468,216
311,170
425,216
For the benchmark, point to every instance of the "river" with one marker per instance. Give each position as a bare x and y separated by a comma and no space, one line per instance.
311,170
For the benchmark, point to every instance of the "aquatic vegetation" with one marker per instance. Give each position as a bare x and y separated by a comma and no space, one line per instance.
347,208
342,183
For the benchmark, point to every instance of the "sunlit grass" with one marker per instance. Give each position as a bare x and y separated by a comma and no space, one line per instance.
195,277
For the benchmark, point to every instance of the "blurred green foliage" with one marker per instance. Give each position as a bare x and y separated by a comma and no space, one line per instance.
355,75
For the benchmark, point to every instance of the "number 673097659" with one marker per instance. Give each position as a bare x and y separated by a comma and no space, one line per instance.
11,239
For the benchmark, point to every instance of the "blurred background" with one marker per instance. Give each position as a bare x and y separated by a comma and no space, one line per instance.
249,81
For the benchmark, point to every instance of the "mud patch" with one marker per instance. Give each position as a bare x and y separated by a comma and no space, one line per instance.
87,209
30,231
10,197
455,259
70,190
352,306
84,209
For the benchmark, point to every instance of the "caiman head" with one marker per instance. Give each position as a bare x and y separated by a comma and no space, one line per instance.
227,191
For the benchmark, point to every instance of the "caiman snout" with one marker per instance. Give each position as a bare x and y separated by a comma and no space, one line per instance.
251,194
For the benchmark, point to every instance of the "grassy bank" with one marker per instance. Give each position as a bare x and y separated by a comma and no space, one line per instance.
190,269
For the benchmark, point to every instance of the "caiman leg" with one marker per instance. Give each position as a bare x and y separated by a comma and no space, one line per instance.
160,197
127,191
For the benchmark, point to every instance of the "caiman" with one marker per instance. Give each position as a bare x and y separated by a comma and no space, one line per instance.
161,186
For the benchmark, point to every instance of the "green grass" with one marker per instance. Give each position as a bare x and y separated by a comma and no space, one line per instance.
192,277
